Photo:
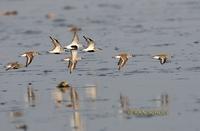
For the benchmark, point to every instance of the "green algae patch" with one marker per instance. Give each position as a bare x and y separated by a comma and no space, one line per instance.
146,112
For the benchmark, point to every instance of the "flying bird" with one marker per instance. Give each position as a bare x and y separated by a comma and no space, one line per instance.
75,42
163,58
123,58
29,56
73,59
57,48
90,45
13,65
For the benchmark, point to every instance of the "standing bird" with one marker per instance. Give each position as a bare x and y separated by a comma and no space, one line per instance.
57,48
90,45
75,42
73,59
163,58
123,58
29,56
13,65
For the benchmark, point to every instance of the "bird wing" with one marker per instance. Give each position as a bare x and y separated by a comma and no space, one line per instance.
163,60
75,38
55,42
29,58
89,41
122,62
86,39
125,59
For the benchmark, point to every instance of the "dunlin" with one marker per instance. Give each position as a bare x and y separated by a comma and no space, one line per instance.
75,42
90,45
57,48
73,59
13,65
123,58
29,56
163,58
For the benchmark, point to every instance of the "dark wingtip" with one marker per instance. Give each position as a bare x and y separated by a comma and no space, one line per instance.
50,37
85,38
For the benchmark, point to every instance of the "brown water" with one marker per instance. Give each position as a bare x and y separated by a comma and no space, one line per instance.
142,27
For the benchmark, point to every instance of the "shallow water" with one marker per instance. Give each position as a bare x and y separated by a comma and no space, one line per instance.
142,27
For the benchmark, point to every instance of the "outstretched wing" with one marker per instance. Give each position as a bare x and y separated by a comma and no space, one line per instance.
163,60
55,42
29,59
75,38
122,62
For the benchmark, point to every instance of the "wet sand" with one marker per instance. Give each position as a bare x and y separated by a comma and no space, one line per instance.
141,27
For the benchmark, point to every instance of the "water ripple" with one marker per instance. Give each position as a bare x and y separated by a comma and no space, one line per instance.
194,69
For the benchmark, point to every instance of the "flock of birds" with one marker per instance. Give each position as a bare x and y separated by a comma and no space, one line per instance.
74,47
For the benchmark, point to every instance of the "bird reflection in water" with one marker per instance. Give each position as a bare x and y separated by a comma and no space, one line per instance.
59,93
91,92
74,98
124,101
76,118
30,95
162,101
16,114
16,117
